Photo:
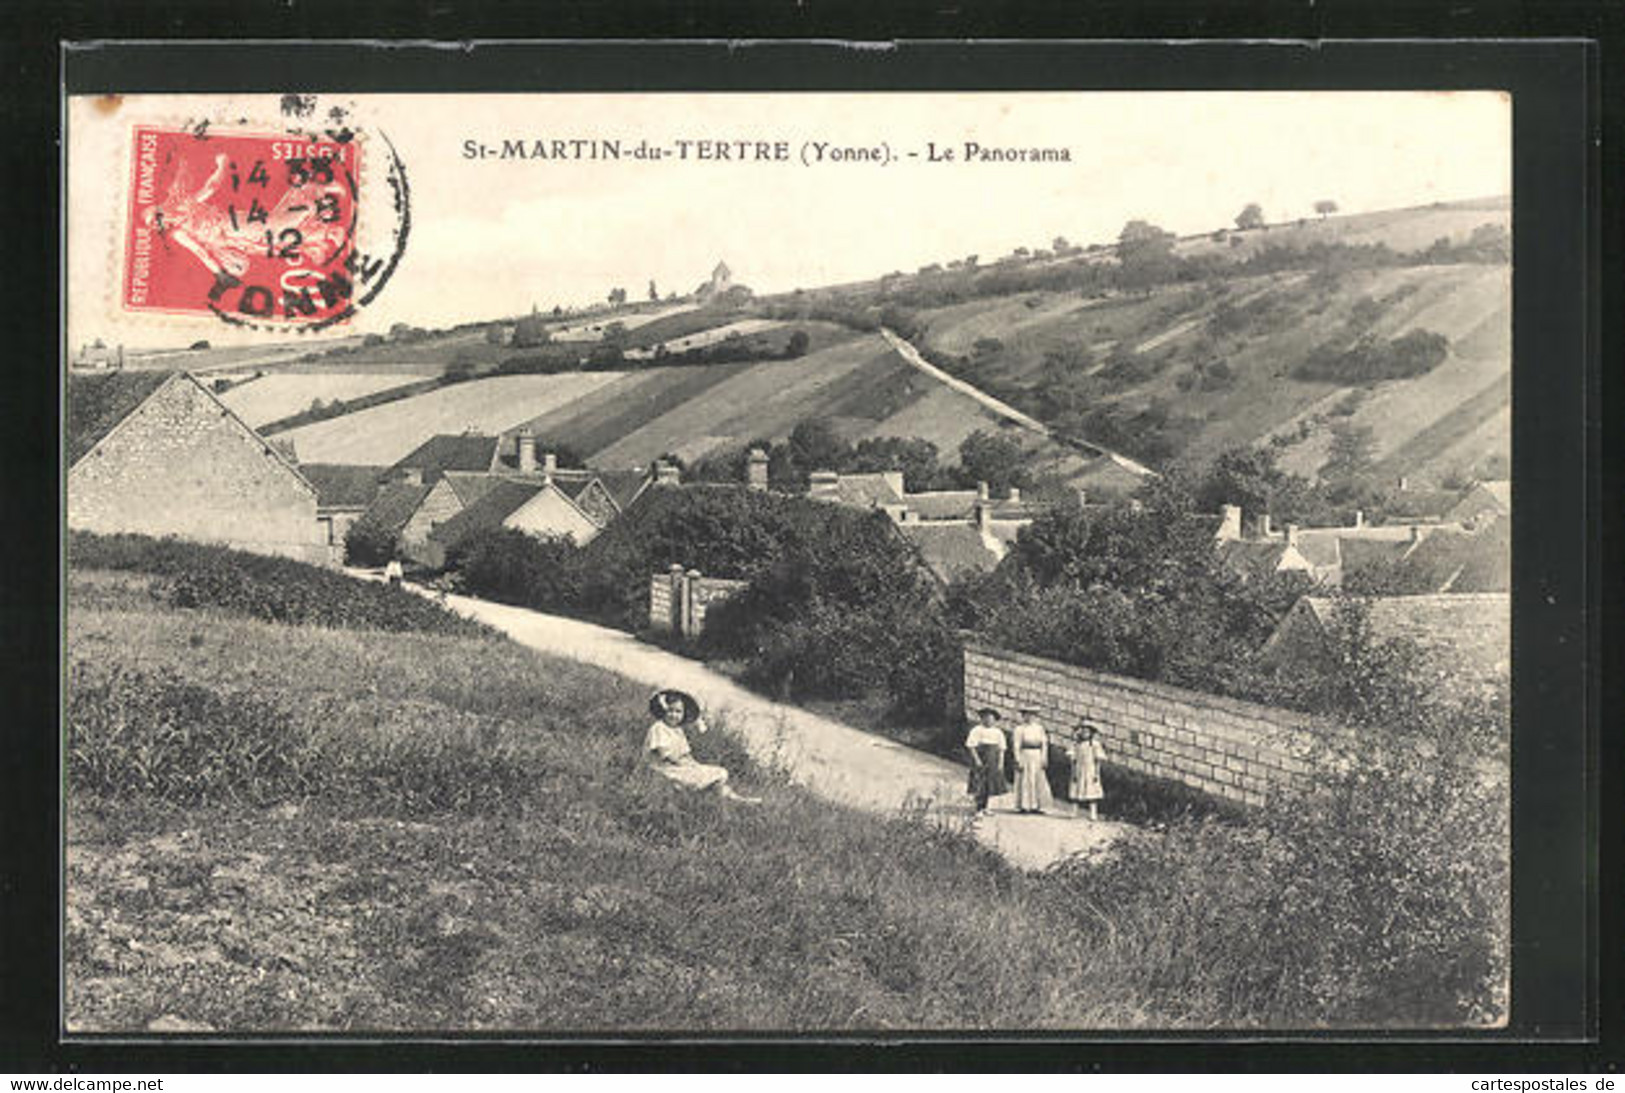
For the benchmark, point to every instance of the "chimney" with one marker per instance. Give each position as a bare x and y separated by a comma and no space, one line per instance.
894,480
910,516
527,451
1264,531
1229,524
1015,495
984,514
981,491
1416,534
1083,498
550,464
1292,535
667,474
823,485
756,470
1359,518
1403,483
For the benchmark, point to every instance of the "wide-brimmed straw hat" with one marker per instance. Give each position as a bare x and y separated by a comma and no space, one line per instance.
985,710
663,700
1027,709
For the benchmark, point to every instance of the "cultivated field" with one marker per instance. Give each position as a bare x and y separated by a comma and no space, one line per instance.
383,434
277,395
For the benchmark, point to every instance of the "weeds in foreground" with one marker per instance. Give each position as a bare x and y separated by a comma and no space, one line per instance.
471,843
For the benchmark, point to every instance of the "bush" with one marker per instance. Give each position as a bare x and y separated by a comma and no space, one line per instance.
510,566
1370,360
369,544
194,575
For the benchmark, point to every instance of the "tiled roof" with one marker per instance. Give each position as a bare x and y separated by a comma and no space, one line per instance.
1361,552
1319,547
444,453
395,504
96,403
344,485
942,504
950,548
470,486
1252,557
866,490
1463,561
1459,634
494,506
623,486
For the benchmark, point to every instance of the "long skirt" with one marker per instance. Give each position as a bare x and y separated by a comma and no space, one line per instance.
693,774
1032,787
987,780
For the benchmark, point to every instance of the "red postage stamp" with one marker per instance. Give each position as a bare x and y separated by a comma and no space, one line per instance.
253,228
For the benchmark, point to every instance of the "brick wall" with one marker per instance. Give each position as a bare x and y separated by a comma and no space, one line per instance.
1235,750
182,465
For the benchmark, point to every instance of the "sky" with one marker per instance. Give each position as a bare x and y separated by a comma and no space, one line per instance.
492,237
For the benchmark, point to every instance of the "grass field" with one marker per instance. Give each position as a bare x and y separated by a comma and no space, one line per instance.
278,827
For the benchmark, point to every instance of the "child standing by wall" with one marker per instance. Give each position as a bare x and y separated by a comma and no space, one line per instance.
1087,755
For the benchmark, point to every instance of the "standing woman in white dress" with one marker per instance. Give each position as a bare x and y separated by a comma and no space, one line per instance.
1031,745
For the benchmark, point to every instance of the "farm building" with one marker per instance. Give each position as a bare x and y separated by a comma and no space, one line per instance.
539,507
1324,554
434,457
1487,499
156,453
1464,640
343,492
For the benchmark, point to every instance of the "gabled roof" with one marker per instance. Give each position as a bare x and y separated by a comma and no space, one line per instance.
470,486
395,504
1320,547
1463,561
98,402
1457,633
1359,553
950,549
942,504
624,486
500,501
1251,557
96,409
344,485
867,490
439,454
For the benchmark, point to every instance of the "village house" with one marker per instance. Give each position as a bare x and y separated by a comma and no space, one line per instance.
157,453
343,492
955,531
452,486
1464,639
1486,500
1323,554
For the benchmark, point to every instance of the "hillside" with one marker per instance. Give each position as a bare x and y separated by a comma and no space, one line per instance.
1216,356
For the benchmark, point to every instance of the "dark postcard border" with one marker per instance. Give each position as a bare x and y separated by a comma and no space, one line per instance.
1555,229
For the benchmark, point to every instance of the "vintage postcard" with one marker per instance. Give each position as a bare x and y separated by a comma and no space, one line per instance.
829,562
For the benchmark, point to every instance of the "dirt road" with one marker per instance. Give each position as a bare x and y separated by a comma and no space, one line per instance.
834,760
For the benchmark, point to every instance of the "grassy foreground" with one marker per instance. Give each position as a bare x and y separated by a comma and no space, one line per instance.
278,827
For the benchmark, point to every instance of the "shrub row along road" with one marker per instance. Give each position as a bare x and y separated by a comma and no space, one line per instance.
912,355
833,760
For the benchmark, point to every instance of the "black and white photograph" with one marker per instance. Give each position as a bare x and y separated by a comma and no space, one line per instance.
829,562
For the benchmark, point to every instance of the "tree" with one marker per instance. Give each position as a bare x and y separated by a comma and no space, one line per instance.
617,296
797,345
1325,207
994,459
1350,452
530,332
815,446
369,543
495,335
1145,255
916,458
1060,246
654,293
1250,217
